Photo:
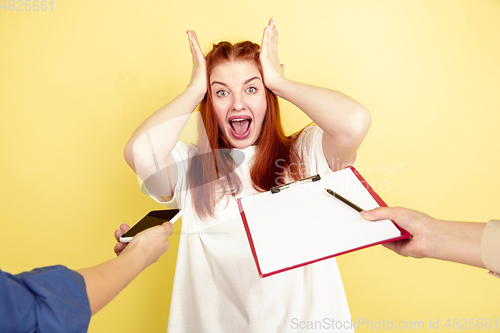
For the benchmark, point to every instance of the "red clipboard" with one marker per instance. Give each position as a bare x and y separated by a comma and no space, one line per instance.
260,256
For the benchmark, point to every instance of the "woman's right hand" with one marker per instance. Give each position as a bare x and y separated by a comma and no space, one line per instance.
199,73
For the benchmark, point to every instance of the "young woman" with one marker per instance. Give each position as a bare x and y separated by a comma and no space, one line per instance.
242,150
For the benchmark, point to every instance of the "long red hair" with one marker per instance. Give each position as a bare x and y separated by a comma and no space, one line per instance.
210,170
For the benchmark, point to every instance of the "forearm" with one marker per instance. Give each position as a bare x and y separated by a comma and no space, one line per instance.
105,281
336,113
456,241
159,133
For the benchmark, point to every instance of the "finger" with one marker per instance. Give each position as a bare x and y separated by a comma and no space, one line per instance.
269,38
265,39
190,43
191,46
194,38
198,53
119,248
118,234
273,35
169,227
400,247
381,213
391,246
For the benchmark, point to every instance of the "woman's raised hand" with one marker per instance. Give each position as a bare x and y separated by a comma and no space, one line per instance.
273,70
199,73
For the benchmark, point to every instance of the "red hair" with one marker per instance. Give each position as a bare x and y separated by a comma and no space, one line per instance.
204,175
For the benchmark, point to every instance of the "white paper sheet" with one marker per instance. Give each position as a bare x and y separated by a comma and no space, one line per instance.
304,223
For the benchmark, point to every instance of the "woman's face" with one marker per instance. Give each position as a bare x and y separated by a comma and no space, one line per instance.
239,101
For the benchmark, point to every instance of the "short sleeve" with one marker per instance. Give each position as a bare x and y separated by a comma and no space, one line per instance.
49,299
490,247
308,146
180,153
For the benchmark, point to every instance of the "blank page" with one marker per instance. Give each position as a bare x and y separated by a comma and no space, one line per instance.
304,223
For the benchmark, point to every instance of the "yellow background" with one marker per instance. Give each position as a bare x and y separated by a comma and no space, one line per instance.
76,81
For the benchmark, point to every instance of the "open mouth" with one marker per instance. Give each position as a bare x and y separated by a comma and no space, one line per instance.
240,126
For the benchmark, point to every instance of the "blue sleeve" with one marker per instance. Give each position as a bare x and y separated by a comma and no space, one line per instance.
49,299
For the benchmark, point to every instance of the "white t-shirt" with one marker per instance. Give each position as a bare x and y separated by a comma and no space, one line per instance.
217,287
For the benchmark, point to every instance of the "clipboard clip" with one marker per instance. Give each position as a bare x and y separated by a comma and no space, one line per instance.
277,189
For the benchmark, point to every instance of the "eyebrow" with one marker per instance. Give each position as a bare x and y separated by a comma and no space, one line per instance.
244,83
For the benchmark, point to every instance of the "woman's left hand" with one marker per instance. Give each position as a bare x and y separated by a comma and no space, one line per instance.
273,70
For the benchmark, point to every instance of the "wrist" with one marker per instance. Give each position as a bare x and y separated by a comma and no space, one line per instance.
278,86
436,238
196,92
137,255
457,242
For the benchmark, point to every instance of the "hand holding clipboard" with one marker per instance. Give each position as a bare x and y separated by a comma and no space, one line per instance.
324,227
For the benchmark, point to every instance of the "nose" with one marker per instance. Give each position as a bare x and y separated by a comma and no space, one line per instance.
238,102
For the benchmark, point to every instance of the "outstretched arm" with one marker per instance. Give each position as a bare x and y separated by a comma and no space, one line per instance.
344,121
105,281
151,144
431,238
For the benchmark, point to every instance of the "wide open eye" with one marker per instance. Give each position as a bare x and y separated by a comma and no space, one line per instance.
222,93
251,90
